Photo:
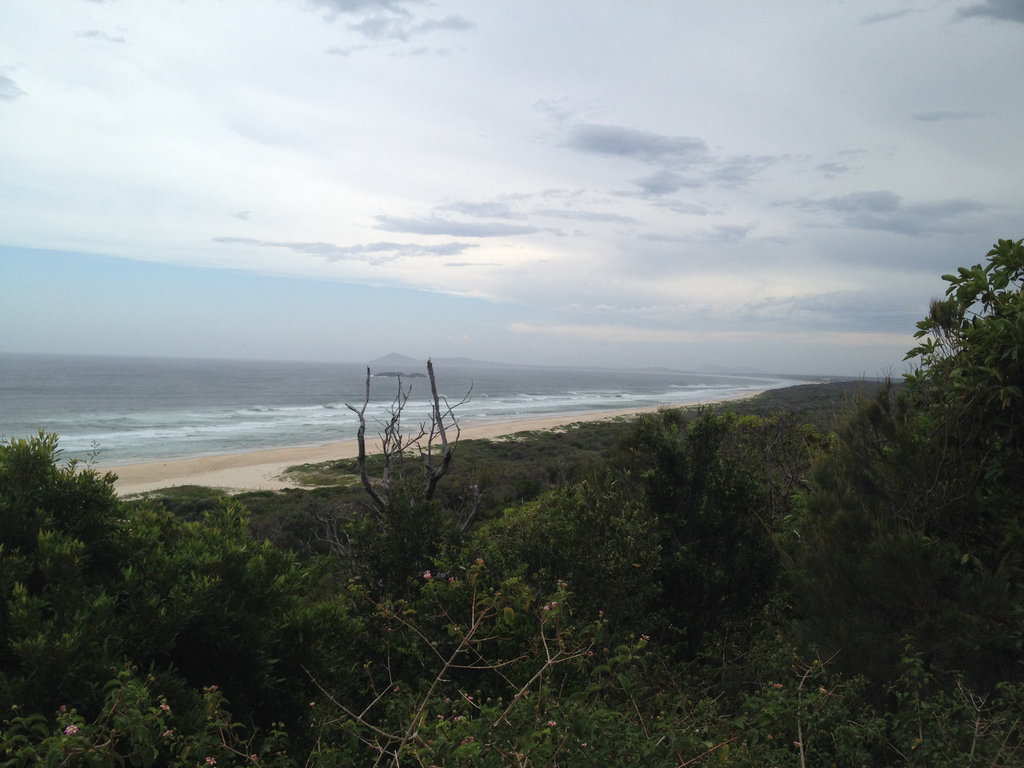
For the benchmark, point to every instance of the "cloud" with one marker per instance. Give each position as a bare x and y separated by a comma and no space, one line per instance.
439,226
459,264
938,115
639,145
9,90
720,234
490,210
450,22
389,20
853,310
886,211
831,170
685,161
335,7
665,182
101,37
555,109
575,215
877,18
402,28
1003,10
740,169
371,253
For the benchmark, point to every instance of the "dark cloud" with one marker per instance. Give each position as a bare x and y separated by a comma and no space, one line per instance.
683,162
243,215
886,211
1003,10
439,226
101,37
938,115
640,145
9,90
372,253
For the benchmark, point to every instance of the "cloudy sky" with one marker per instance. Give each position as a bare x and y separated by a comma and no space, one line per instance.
774,185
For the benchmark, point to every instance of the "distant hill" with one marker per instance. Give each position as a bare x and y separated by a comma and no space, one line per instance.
395,360
398,361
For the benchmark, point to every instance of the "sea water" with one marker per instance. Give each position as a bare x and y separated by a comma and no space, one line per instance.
117,410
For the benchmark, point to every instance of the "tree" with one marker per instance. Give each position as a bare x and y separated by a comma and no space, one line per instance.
407,523
89,584
913,529
395,444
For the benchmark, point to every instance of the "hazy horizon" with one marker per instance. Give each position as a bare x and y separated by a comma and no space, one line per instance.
774,187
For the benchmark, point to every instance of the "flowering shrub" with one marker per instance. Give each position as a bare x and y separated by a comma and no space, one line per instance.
136,727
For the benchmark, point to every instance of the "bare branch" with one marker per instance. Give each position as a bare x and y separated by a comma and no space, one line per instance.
378,503
436,443
438,431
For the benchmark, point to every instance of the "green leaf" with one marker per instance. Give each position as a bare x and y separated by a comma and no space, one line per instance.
624,682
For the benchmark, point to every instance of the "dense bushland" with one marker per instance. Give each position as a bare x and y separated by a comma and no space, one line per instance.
713,587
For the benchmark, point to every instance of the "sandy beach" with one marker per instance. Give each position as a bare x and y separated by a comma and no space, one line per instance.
262,470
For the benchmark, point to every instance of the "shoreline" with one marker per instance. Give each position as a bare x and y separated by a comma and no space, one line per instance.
261,470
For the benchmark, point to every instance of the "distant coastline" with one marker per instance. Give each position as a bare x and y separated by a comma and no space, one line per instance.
263,469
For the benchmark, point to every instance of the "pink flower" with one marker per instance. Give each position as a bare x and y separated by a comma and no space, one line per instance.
479,561
71,730
426,575
552,723
211,761
62,709
168,733
164,707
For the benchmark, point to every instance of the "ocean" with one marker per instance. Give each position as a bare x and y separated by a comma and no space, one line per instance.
121,410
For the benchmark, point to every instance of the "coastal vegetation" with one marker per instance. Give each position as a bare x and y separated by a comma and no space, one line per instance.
825,575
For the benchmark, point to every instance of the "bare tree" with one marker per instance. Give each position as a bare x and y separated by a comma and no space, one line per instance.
435,443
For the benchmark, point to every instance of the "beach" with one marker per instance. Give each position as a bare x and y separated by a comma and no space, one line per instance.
262,470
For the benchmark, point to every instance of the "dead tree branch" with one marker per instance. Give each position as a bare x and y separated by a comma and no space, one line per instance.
441,437
378,503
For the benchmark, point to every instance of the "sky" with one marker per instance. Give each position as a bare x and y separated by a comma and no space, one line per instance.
776,186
